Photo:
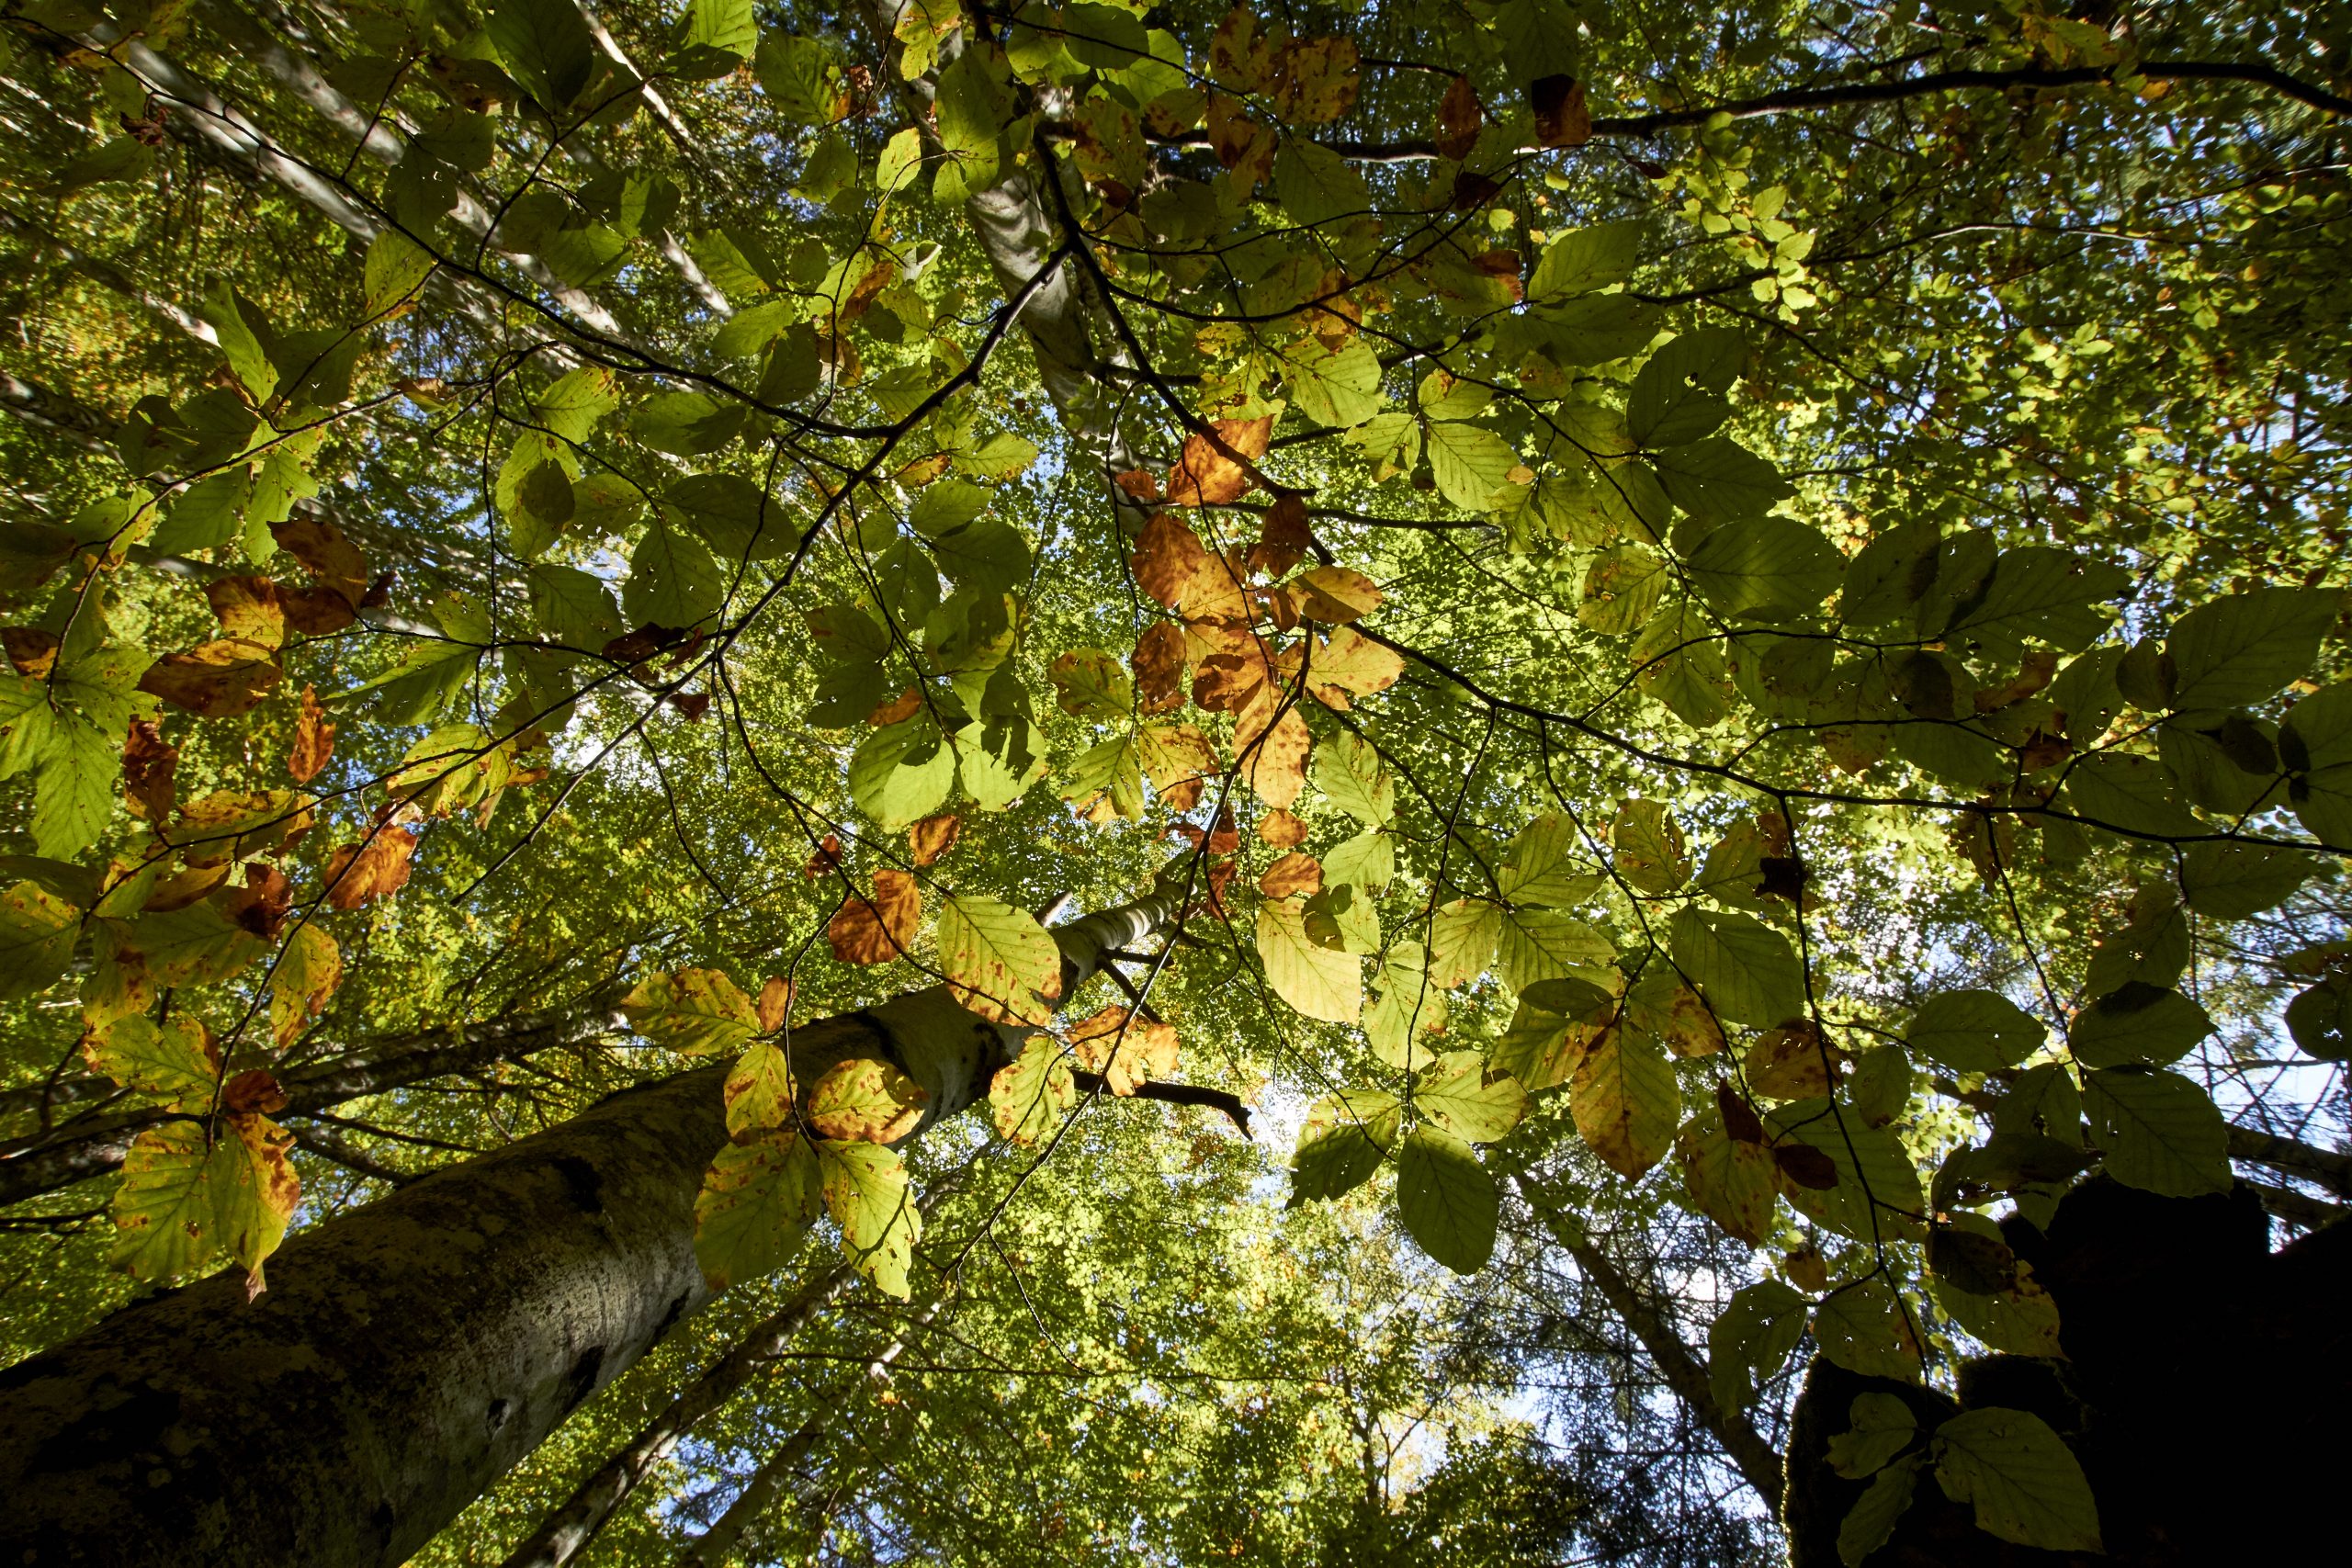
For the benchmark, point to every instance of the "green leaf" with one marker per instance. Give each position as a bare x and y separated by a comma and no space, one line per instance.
2238,650
1317,185
2026,1484
176,1061
1882,1427
546,45
2137,1023
865,1189
1678,396
1877,1193
1717,480
2160,1132
1622,589
1733,1182
1447,1199
757,1202
1973,1031
1340,389
672,580
1751,1338
999,758
1626,1101
760,1089
2231,882
1463,936
1342,1142
700,1011
163,1219
1457,1094
573,607
1471,464
2320,1020
726,26
2129,795
76,773
396,269
1542,865
37,935
1585,259
1316,980
1773,567
1029,1097
1748,971
998,961
1367,861
1864,1329
792,73
1869,1523
902,772
1651,856
1546,944
1353,777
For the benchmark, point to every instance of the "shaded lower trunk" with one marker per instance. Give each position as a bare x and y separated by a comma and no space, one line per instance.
407,1354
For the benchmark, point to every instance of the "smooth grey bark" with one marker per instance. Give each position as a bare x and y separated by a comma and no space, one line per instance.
407,1354
43,1162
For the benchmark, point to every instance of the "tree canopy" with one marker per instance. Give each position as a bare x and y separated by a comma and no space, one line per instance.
1711,641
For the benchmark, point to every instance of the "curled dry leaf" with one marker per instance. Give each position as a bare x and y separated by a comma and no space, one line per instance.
1127,1049
1285,539
877,930
253,1092
313,739
933,837
1294,873
1205,475
1159,667
826,858
1459,116
360,874
150,771
1167,554
775,1004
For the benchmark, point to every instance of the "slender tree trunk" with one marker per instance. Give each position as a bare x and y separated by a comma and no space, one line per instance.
1757,1460
409,1353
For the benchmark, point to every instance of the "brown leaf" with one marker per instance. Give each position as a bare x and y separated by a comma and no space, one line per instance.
923,470
249,609
877,931
1159,667
1739,1117
32,651
1562,116
253,1092
1127,1049
1459,116
824,859
1137,484
313,739
1282,829
1472,192
360,874
150,769
1805,1166
775,1004
1224,838
692,705
214,680
1318,82
933,837
1285,539
1294,873
261,905
1167,555
332,560
1205,475
906,705
2034,673
1791,1062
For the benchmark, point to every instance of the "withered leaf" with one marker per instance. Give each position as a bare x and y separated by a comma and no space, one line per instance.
313,739
1459,116
150,769
1205,476
1167,555
1282,829
1293,873
1127,1049
249,609
253,1092
775,1004
214,680
1562,116
933,837
1159,667
332,561
1285,539
360,874
878,929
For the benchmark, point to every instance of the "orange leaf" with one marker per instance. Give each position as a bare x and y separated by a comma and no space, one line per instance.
1128,1050
149,771
1282,829
1205,476
1459,116
360,874
825,858
1285,539
1139,484
1276,763
332,560
877,930
904,705
1159,667
775,1004
313,739
252,1093
933,837
261,905
1167,554
214,680
32,651
316,612
1294,873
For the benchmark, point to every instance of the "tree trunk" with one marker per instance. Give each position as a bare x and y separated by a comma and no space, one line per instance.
409,1353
